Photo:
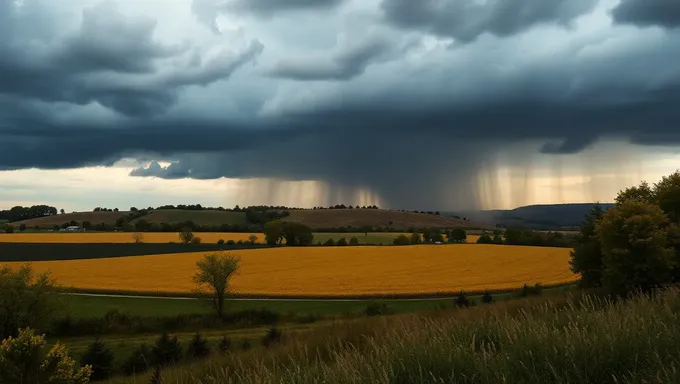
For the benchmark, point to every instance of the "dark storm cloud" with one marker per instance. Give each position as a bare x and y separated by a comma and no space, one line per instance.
346,63
663,13
465,20
112,60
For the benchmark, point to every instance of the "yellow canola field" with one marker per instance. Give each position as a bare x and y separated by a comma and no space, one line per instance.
120,237
332,270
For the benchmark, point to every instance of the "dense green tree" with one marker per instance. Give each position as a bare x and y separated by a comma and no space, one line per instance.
273,232
341,242
186,235
487,298
415,239
643,193
586,258
457,235
26,299
353,241
330,242
198,347
484,238
637,242
100,358
166,350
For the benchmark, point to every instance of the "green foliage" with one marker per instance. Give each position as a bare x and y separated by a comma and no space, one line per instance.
230,242
485,239
221,241
535,290
432,235
166,350
341,242
330,242
9,229
26,300
487,298
401,240
139,360
353,241
213,275
586,258
415,238
294,233
272,337
461,300
457,235
186,235
23,361
637,245
224,345
252,239
100,358
376,309
196,240
198,347
642,193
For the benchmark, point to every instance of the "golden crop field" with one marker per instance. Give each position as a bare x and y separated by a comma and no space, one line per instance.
332,270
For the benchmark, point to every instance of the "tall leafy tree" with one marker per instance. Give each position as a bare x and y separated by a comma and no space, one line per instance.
214,272
586,258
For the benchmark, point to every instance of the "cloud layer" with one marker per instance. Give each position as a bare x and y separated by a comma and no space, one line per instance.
412,101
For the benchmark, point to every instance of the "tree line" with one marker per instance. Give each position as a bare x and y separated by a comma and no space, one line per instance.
634,245
19,213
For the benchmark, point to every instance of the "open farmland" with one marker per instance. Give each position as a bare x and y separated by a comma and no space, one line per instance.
331,271
119,237
328,218
172,216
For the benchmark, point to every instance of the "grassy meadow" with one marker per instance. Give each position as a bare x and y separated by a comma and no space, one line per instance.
330,271
568,339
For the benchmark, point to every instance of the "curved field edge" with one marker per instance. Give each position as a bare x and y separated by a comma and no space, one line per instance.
408,271
247,296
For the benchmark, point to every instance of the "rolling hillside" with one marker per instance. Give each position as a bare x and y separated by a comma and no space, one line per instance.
326,218
547,217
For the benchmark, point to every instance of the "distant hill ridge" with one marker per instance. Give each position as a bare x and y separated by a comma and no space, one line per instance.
539,216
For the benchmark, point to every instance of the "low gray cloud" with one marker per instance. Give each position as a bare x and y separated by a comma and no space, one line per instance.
345,63
663,13
465,20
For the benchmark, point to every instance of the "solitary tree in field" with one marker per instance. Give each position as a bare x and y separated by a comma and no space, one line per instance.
213,275
252,239
186,235
138,237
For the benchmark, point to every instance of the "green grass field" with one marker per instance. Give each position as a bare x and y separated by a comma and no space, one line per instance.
97,306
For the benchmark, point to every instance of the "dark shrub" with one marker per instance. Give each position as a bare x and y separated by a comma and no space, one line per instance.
139,361
353,241
166,350
231,242
100,357
461,300
240,242
487,298
198,347
535,290
224,344
196,240
329,242
402,240
220,241
272,337
376,309
342,242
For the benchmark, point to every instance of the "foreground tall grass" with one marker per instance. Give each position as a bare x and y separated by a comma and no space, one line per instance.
566,340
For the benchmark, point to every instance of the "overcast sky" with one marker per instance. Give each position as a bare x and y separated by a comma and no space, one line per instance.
430,104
